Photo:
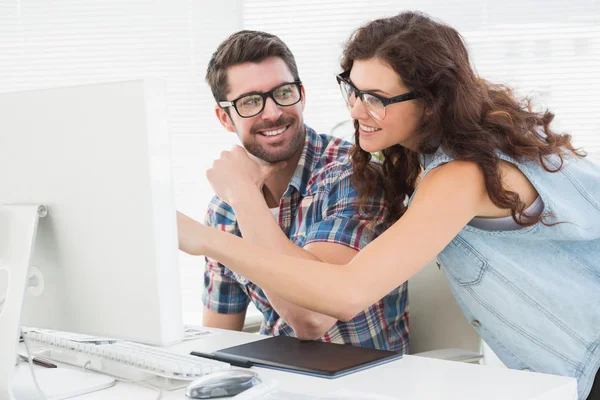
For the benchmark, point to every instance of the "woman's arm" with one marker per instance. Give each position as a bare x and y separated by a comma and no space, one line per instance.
447,199
258,226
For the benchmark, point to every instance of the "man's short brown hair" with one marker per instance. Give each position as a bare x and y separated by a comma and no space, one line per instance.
245,46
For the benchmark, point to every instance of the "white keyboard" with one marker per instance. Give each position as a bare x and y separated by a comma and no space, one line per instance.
124,359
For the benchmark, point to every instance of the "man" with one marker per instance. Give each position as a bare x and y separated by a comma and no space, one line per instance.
307,185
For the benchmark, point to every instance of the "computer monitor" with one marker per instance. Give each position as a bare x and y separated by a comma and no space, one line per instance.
105,256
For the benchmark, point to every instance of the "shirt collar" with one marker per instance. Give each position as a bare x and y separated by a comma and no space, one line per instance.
311,153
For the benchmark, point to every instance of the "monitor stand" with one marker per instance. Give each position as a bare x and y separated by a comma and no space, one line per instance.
18,229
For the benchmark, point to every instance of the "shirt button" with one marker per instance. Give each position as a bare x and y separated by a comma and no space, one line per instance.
475,323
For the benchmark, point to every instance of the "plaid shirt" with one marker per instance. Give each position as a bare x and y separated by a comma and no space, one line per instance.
319,205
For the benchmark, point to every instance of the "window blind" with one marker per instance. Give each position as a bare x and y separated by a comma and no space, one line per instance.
547,50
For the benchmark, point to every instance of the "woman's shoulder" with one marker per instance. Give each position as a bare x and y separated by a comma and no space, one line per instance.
452,176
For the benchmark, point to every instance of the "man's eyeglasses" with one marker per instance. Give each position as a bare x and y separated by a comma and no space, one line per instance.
374,103
251,104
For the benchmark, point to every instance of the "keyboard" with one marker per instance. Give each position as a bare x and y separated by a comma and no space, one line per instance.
127,360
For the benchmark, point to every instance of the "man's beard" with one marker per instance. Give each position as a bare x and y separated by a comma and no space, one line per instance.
275,155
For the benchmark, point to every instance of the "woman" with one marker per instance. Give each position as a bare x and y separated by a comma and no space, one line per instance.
472,176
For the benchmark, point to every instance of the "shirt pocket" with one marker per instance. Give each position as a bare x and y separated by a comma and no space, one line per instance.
303,219
462,262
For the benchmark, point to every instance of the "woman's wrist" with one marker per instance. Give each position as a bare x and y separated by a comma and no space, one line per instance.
249,194
202,235
192,235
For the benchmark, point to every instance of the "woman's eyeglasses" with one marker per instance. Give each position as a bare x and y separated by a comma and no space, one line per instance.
374,103
251,104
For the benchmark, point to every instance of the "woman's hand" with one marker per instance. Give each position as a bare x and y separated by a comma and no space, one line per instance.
189,233
236,174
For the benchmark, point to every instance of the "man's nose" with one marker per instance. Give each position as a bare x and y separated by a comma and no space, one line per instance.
271,110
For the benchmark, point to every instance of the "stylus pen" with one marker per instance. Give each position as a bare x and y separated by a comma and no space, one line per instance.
231,361
38,361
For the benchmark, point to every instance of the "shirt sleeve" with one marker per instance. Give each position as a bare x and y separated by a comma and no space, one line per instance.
222,293
342,222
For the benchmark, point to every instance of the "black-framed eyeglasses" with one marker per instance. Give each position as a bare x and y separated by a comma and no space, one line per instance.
251,104
374,103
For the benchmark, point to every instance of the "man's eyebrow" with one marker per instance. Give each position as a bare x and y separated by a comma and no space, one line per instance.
248,93
257,92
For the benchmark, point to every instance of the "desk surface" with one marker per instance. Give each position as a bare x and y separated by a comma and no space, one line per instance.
411,377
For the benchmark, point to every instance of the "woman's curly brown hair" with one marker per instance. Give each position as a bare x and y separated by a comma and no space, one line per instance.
469,117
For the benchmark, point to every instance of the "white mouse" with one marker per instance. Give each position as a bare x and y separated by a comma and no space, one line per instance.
222,384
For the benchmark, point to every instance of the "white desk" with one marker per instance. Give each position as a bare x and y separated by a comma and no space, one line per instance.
408,378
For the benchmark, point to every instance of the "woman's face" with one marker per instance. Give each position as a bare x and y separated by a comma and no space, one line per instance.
401,119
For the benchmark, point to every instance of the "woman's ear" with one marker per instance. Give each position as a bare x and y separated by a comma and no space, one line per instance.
427,111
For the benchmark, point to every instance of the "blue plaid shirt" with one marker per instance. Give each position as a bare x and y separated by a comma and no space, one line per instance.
319,205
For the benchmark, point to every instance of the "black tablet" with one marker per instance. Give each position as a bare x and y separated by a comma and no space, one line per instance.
326,360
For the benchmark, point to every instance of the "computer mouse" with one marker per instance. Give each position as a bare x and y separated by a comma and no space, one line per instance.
222,384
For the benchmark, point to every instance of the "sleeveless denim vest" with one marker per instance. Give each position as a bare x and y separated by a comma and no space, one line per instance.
533,294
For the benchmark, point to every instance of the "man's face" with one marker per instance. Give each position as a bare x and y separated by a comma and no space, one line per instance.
275,134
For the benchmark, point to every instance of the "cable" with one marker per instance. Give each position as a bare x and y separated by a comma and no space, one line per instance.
31,369
84,368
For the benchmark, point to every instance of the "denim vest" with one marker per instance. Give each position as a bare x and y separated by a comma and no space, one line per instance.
533,294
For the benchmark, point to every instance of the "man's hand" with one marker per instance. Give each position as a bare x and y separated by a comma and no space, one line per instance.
236,172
